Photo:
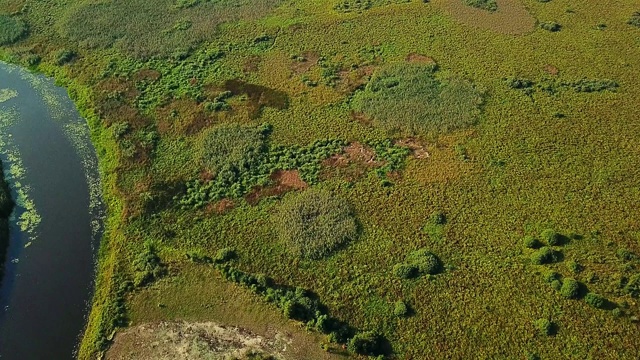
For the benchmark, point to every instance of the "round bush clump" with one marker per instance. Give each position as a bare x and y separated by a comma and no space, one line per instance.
365,343
400,309
551,237
312,224
405,271
633,286
545,327
425,261
570,288
531,242
551,26
545,255
11,29
595,300
551,276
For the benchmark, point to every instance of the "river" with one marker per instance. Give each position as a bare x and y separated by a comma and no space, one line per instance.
52,169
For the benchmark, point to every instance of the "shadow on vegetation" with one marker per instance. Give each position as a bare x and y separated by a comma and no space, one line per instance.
259,96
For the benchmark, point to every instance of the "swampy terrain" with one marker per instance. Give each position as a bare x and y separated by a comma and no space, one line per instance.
354,178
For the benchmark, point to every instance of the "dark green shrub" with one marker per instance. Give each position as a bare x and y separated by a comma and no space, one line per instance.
148,266
365,343
438,218
551,276
551,26
635,19
65,56
551,237
545,255
11,30
625,255
531,242
574,267
516,83
556,285
545,327
489,5
225,255
633,286
591,85
425,261
405,271
570,288
595,300
314,223
400,309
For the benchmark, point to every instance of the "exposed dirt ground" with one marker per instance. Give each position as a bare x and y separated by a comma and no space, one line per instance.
182,340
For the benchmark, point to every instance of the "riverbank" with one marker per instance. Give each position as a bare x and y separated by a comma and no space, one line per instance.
6,207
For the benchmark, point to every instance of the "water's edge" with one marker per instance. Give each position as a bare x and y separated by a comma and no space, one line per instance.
54,175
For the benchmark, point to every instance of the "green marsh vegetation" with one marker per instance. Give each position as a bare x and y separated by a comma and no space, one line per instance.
504,161
11,29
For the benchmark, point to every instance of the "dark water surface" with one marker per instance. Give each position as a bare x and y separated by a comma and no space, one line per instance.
52,169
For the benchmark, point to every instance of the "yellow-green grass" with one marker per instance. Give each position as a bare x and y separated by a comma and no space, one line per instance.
527,169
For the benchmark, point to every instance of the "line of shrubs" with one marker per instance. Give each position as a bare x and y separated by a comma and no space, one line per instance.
298,304
553,86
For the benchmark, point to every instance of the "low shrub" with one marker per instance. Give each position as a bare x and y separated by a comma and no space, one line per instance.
551,26
11,30
400,309
489,5
148,266
574,267
633,286
634,20
366,343
405,271
570,288
65,56
545,327
545,255
551,237
593,85
314,223
425,261
225,255
625,255
438,218
551,276
531,242
595,300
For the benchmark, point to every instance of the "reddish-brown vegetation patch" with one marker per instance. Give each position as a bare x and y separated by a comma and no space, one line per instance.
182,116
220,207
550,69
304,62
420,59
146,75
282,182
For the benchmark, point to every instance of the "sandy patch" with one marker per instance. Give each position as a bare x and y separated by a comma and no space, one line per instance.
182,341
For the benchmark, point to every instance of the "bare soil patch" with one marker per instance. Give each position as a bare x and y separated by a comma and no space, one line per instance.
220,207
183,340
417,149
511,17
305,63
283,181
